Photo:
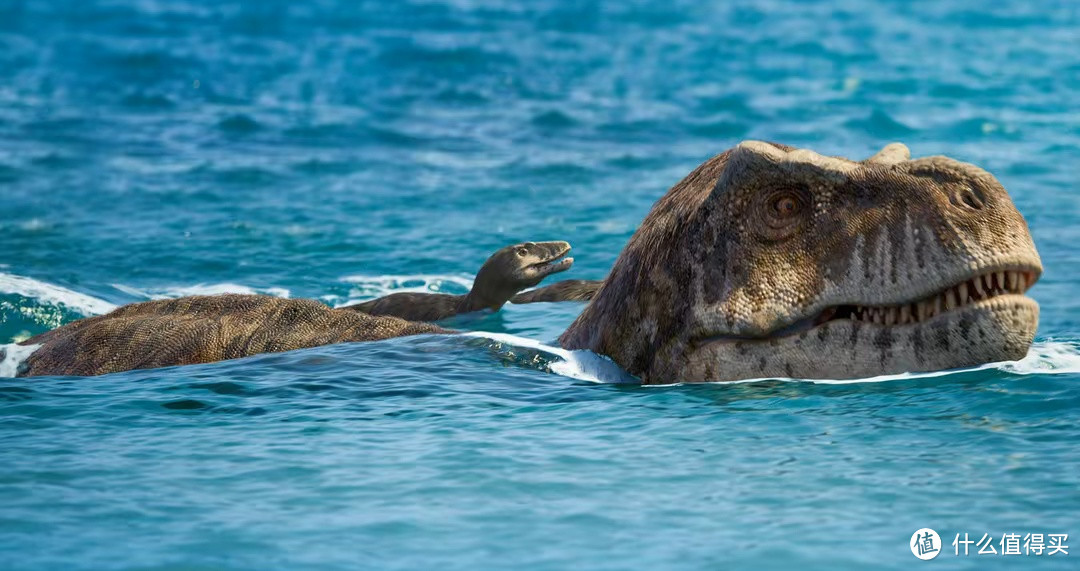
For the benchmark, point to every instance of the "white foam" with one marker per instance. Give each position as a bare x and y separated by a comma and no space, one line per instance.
54,294
369,287
200,289
14,355
1044,358
581,365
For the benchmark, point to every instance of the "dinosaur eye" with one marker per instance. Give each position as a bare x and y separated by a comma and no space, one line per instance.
522,252
783,211
785,206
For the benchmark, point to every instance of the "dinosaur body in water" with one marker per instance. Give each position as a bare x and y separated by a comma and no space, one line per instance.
505,273
202,329
566,290
765,261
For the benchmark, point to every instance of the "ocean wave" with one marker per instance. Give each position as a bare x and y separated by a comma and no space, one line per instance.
1044,357
881,124
370,287
581,365
170,292
8,173
53,294
239,124
11,356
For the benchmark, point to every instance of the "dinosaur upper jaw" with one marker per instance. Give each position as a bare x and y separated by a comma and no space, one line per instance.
549,260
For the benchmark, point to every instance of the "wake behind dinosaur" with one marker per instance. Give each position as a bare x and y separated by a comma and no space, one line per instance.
765,261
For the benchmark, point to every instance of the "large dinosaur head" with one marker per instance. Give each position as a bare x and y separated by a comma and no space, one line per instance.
770,261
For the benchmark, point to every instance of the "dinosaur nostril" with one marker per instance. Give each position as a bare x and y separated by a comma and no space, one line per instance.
967,197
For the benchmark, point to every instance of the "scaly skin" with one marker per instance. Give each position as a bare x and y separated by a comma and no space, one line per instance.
751,265
566,290
766,261
506,272
201,329
204,329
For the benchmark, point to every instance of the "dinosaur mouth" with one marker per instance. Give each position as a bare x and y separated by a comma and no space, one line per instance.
977,289
980,290
553,264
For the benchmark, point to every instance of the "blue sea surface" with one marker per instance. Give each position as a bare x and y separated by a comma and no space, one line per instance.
344,150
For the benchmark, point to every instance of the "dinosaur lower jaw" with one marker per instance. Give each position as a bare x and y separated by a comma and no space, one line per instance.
995,329
982,320
551,266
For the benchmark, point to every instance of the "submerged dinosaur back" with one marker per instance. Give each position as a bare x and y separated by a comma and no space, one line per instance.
202,329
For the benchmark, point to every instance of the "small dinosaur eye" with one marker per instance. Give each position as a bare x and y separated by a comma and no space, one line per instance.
522,252
786,206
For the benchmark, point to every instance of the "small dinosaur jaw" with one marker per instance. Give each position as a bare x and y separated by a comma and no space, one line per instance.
552,266
549,259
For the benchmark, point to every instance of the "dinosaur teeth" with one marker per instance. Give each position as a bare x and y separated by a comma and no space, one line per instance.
977,283
977,289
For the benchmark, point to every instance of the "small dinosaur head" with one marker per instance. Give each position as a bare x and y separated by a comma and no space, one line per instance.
770,261
514,268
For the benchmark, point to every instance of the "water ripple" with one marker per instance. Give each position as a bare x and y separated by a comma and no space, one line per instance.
160,148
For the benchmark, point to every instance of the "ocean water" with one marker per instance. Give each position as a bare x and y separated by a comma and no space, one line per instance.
344,150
